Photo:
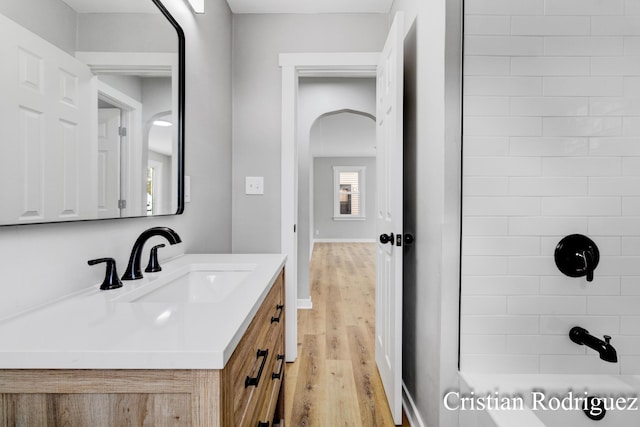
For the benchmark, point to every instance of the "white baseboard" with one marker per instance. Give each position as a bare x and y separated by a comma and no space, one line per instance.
410,410
343,240
305,304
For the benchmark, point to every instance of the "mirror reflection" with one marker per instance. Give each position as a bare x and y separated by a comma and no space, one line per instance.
89,112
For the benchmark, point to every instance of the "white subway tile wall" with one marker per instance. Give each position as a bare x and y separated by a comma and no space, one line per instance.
551,147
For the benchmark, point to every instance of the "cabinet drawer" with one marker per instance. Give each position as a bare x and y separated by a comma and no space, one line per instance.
276,379
250,366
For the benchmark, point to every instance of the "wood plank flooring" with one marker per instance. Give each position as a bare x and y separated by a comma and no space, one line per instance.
334,381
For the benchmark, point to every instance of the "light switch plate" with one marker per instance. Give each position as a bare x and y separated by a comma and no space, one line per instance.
187,189
254,185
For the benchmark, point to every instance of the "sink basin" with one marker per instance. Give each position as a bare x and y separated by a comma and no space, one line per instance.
196,286
203,284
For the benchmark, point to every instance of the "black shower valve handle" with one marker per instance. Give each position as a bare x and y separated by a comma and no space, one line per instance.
576,256
588,265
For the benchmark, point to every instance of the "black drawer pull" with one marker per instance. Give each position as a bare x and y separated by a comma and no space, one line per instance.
261,424
279,307
279,374
254,381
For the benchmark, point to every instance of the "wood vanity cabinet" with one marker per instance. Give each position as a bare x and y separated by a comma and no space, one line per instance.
249,391
254,374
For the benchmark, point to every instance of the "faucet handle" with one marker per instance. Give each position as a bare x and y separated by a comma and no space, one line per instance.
577,255
111,279
587,255
154,265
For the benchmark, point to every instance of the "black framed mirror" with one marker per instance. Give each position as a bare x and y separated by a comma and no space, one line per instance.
91,110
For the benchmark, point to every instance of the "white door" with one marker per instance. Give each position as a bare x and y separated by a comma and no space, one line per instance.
47,115
389,217
108,162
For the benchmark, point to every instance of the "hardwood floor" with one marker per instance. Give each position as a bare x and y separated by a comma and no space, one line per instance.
334,381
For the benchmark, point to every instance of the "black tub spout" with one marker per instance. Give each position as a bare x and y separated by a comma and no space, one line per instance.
581,336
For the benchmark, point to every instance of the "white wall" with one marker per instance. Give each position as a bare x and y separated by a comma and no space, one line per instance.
344,134
432,205
156,96
53,20
157,36
552,129
258,39
40,263
129,85
323,194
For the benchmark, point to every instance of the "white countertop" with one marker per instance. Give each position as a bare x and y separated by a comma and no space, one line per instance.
98,329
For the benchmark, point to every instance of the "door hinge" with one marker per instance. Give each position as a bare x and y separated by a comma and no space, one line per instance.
122,204
122,131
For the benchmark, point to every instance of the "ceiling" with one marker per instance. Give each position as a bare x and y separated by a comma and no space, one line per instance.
310,6
120,6
242,6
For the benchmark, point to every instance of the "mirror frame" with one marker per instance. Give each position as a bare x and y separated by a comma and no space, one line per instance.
180,115
180,132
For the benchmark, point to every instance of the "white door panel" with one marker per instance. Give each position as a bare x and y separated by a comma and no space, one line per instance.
389,217
50,154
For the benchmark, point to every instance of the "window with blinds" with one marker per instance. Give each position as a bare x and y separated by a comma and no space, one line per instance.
348,192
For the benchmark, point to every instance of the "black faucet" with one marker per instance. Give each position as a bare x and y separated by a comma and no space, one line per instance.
581,336
133,267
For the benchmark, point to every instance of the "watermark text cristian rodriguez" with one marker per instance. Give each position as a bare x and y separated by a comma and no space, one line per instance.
540,400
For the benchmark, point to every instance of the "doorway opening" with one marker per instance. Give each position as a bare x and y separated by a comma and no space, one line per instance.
336,166
120,141
160,157
386,67
336,170
294,67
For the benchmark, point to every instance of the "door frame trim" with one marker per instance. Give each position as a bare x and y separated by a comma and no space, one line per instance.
295,65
